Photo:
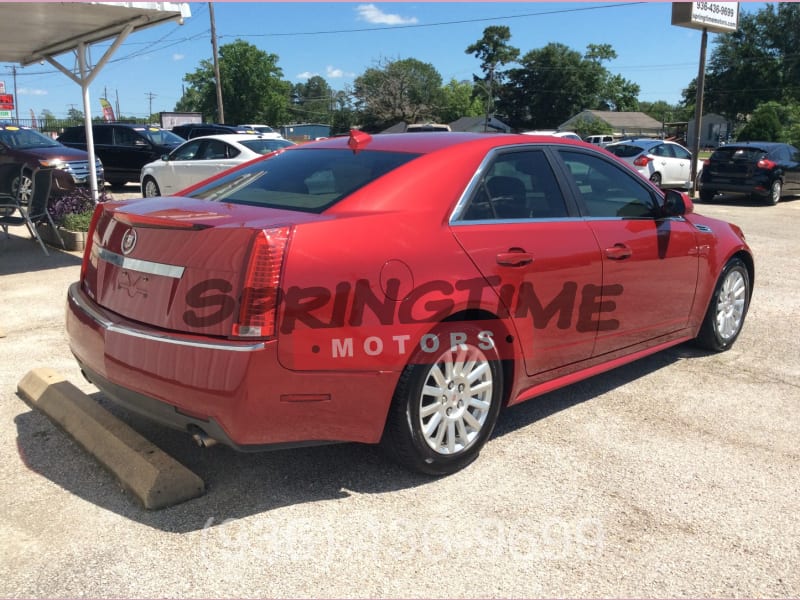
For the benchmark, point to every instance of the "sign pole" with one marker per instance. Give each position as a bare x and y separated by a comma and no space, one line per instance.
698,109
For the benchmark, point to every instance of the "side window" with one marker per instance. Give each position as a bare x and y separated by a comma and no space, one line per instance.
215,150
681,153
125,137
517,185
606,189
101,135
186,152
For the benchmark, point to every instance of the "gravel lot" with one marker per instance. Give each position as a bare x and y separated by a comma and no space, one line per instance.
676,476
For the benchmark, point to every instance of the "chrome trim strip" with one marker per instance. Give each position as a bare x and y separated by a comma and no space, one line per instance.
74,291
142,266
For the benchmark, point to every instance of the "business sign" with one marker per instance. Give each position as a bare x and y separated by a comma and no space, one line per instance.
5,114
6,101
2,87
719,17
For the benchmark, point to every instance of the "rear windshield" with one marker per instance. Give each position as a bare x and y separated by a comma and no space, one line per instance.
308,179
265,146
625,150
160,137
742,154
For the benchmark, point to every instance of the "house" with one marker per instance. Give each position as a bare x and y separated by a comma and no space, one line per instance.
714,130
623,124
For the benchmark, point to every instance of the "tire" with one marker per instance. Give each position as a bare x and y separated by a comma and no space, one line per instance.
707,195
27,186
727,309
441,416
150,188
656,179
775,191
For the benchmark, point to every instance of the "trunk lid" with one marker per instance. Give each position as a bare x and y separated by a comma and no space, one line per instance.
177,263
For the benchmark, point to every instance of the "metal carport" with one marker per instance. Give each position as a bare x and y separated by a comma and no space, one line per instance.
33,32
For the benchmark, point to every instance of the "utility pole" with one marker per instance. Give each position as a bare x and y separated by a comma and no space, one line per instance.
150,96
16,98
220,110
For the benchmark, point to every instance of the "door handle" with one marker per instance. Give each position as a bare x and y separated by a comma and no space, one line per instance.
514,258
618,252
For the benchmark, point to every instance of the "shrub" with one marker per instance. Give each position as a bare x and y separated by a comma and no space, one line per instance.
73,209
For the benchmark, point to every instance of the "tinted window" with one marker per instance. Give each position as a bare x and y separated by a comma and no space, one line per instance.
217,149
517,185
625,150
607,190
160,137
727,153
186,152
309,180
127,137
101,135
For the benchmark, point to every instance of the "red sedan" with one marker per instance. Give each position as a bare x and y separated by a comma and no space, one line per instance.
398,289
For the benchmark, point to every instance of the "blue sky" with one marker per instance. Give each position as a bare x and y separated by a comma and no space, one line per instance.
340,40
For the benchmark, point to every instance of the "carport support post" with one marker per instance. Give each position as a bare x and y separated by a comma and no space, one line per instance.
698,109
84,79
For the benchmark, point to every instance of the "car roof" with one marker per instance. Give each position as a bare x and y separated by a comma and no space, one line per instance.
757,145
426,142
232,137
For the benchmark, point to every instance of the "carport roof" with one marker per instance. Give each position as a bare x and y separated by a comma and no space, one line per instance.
32,31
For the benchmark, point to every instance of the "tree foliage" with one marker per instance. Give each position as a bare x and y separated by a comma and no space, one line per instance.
252,87
459,100
760,62
398,90
493,50
773,122
312,101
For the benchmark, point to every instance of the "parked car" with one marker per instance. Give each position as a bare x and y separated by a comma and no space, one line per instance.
344,291
202,157
667,164
565,134
764,170
600,140
23,145
192,130
264,130
124,148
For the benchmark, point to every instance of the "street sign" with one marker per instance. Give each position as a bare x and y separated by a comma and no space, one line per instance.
6,101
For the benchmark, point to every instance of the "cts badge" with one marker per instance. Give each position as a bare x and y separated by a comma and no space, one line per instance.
128,241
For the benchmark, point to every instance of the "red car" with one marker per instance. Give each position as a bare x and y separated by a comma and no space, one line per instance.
398,289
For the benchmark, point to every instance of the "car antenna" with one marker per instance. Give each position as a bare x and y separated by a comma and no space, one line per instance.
358,139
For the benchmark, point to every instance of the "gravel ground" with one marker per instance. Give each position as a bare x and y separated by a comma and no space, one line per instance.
676,476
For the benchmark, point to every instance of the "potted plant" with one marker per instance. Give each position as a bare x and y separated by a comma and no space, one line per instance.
71,212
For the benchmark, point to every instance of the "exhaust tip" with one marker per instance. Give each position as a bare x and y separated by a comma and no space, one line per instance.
202,439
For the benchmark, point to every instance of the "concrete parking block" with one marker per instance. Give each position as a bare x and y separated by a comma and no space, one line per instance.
154,477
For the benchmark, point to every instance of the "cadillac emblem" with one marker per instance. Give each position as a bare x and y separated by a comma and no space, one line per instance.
128,241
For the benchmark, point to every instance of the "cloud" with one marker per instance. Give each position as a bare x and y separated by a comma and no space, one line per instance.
334,73
31,92
372,14
177,56
306,75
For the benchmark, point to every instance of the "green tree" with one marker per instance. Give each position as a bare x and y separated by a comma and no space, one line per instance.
344,116
312,101
458,100
493,50
398,90
760,62
73,114
586,127
252,87
773,122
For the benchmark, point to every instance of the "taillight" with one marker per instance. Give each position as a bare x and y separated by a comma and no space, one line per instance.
87,251
259,306
642,161
766,163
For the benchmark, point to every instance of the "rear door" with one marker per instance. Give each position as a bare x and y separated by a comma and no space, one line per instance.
538,257
649,265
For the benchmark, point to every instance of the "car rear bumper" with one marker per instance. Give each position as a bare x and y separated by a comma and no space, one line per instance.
236,392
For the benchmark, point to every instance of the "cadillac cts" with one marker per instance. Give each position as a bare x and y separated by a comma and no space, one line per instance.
395,289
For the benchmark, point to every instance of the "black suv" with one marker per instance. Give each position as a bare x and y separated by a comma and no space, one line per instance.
25,146
766,170
124,148
193,130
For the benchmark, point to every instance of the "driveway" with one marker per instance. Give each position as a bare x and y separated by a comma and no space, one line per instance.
675,476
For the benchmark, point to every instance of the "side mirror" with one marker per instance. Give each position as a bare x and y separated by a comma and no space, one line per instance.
677,204
165,157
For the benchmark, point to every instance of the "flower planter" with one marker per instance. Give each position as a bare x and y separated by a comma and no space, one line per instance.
73,240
